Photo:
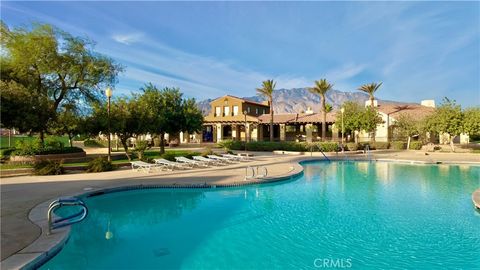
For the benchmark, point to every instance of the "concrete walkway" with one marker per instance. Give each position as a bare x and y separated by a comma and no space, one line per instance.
20,194
476,198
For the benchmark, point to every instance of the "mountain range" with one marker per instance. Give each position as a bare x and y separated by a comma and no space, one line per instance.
297,100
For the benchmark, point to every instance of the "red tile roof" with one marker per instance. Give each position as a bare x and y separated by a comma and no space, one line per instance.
414,110
301,118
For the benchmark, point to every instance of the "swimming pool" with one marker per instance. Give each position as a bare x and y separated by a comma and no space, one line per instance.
339,214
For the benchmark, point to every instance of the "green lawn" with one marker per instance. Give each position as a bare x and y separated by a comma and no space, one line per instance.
14,139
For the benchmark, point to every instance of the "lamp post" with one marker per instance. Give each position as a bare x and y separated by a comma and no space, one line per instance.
108,93
246,131
343,130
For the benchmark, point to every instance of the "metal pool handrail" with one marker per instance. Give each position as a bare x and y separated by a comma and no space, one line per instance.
68,220
255,172
321,151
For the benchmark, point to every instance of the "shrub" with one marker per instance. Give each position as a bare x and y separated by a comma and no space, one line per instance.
326,146
92,143
352,146
208,151
52,143
100,164
66,150
398,145
169,156
6,152
379,145
27,147
416,145
140,148
231,145
48,167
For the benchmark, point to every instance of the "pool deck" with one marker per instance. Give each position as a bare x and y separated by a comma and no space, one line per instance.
19,195
476,198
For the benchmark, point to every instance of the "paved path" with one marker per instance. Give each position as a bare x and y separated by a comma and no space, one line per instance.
20,194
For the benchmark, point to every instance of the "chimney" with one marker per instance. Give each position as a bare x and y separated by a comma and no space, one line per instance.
309,110
428,103
375,103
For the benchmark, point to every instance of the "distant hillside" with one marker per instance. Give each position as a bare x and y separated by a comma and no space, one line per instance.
298,99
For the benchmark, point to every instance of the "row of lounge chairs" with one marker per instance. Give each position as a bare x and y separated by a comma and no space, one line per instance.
186,163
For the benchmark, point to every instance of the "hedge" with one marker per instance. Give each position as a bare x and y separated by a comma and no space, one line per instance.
280,146
416,145
93,143
48,167
398,145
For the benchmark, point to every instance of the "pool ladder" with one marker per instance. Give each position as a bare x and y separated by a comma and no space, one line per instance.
255,172
321,151
368,153
68,220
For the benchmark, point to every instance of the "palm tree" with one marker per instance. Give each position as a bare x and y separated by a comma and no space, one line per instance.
370,89
321,88
267,92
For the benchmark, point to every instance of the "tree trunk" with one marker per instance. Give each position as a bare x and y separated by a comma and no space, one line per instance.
271,119
162,143
123,140
70,139
408,143
372,98
324,118
42,138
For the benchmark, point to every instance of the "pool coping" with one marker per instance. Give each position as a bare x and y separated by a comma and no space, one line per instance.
47,246
476,199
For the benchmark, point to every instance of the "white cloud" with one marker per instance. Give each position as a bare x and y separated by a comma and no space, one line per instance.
128,39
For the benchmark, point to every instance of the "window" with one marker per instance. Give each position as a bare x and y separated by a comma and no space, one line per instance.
235,110
248,109
264,111
226,111
256,111
218,111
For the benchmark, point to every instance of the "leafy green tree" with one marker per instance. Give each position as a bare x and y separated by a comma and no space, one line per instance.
166,111
53,65
370,120
193,116
357,118
352,118
126,119
68,122
408,126
266,91
447,119
471,121
321,88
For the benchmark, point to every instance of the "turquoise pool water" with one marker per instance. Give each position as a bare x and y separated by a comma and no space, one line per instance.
340,214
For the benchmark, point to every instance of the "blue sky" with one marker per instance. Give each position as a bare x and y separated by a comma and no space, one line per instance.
419,50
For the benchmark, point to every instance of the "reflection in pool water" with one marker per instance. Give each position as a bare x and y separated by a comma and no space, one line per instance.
373,214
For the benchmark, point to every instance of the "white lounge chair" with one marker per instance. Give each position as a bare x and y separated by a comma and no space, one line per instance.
171,164
191,162
227,160
144,166
234,157
207,161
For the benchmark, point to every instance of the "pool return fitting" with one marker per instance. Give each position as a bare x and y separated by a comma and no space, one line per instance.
254,172
68,220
